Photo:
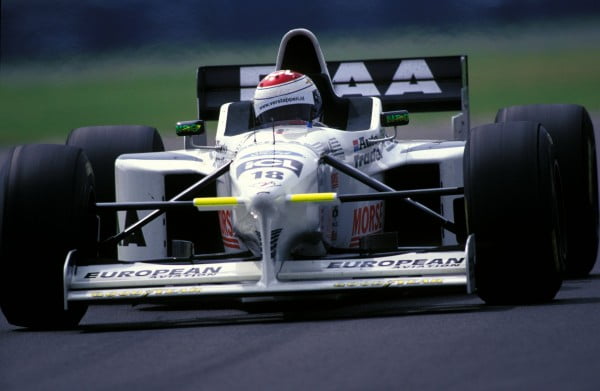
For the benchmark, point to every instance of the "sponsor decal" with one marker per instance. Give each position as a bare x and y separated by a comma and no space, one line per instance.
302,96
265,184
366,220
136,237
388,283
364,159
411,76
335,180
292,165
336,148
352,78
335,212
146,292
178,272
361,143
227,233
417,263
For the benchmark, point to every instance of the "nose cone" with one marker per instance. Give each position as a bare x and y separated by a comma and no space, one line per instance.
266,204
264,174
277,171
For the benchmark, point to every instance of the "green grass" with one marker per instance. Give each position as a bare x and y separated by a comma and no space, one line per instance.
48,110
567,76
539,64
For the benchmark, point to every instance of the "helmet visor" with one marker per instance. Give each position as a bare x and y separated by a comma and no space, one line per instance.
286,113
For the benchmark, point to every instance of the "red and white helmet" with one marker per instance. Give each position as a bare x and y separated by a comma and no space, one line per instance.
287,95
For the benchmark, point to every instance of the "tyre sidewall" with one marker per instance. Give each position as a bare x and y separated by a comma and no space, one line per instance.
48,211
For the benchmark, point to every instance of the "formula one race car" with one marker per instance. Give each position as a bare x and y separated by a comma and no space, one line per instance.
301,206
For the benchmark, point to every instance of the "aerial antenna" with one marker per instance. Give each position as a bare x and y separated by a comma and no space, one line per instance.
254,126
273,127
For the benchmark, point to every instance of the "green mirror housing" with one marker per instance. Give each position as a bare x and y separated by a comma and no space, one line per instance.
394,118
190,128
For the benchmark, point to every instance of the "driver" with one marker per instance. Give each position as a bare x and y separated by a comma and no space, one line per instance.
287,96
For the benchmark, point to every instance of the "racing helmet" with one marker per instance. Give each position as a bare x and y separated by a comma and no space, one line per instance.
287,95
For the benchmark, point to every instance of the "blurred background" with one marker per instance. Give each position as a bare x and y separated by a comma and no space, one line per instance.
71,63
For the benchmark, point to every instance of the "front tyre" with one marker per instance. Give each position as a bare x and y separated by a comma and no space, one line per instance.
514,209
48,210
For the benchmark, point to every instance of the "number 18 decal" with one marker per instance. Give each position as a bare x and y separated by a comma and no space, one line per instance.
271,174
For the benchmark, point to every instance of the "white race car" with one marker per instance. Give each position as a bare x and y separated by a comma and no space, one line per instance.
337,206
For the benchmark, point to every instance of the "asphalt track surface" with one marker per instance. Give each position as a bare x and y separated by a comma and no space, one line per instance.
449,342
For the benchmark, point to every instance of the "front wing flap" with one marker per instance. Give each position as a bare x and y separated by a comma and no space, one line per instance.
144,281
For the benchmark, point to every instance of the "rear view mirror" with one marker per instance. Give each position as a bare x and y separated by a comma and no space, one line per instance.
190,128
394,118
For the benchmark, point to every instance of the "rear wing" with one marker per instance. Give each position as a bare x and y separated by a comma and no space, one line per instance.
427,84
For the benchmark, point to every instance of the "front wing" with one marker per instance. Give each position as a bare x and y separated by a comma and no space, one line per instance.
145,282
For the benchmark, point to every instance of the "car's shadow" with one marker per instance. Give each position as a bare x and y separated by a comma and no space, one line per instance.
295,310
304,311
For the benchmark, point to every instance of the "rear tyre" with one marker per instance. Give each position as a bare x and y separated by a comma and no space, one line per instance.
103,145
48,210
5,156
573,135
514,209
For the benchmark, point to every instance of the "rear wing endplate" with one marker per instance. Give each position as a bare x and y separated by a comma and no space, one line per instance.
427,84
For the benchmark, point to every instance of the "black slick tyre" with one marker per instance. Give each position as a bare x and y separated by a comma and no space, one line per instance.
103,145
514,209
48,210
5,156
572,131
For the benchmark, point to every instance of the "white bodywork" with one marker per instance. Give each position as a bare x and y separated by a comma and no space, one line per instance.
286,161
267,166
